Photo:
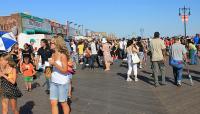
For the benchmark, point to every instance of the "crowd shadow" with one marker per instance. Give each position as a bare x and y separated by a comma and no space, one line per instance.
149,81
124,65
170,80
35,85
196,77
146,72
27,108
123,75
192,71
143,78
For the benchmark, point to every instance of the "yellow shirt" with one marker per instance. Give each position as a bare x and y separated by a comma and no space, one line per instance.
192,46
10,75
80,49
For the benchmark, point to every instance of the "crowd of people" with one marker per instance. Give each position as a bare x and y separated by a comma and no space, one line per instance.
58,59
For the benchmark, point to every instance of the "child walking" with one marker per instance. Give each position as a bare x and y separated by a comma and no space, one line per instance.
28,72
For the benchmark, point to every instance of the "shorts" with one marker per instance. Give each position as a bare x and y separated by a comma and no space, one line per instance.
28,79
70,76
59,92
141,56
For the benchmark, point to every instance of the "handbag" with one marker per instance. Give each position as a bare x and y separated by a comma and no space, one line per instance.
48,72
135,58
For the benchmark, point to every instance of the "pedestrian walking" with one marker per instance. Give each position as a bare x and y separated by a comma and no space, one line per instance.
106,48
93,53
158,57
60,79
177,57
141,46
132,49
74,54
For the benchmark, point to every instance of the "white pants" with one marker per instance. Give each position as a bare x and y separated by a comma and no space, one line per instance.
131,66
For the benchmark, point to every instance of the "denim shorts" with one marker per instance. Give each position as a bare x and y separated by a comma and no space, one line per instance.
59,92
141,55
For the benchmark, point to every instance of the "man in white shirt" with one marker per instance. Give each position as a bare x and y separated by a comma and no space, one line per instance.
74,53
124,50
121,49
94,53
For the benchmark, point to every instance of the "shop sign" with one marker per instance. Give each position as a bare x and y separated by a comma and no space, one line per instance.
35,23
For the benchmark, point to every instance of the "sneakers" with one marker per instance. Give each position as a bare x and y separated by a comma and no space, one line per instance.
157,84
129,80
179,84
136,79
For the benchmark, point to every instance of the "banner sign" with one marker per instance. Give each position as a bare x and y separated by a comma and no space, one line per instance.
35,23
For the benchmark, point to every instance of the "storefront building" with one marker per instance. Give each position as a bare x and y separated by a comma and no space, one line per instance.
8,22
31,24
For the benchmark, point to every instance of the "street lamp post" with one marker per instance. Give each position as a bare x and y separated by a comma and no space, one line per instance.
184,13
79,29
68,27
82,31
75,29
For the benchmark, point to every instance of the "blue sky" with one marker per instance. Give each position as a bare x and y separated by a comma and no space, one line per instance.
122,17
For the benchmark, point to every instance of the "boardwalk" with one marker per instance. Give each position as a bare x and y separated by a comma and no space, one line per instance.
99,92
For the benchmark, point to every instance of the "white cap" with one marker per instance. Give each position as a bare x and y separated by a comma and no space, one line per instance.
46,64
104,40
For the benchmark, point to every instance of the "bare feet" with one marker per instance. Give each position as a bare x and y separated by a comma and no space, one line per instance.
106,69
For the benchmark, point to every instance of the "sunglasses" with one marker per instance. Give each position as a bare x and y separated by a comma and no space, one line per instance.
52,43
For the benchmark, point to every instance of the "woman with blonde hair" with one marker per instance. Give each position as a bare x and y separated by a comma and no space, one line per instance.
60,79
11,92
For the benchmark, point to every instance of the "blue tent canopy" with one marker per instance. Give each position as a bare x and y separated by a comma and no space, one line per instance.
2,32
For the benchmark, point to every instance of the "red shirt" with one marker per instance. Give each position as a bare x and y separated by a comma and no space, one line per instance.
167,43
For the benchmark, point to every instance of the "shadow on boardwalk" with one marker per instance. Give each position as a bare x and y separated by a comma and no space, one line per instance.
27,108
